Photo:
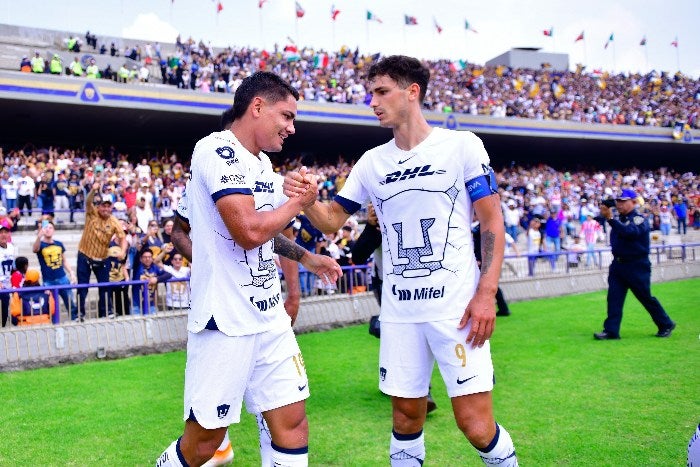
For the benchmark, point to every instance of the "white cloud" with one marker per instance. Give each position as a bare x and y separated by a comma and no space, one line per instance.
148,26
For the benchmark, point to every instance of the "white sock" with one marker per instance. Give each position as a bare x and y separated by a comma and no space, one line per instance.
407,450
500,451
172,457
265,441
283,457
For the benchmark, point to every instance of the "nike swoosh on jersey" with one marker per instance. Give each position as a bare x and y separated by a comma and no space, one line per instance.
462,381
407,159
301,388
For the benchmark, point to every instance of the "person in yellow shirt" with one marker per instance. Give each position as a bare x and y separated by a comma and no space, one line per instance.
56,65
123,74
92,71
38,64
76,68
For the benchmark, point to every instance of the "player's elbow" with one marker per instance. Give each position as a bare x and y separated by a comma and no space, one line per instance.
249,239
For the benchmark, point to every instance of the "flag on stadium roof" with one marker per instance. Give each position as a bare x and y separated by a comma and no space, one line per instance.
219,7
675,42
437,26
334,12
468,27
299,10
610,39
261,3
579,37
643,41
548,32
410,20
372,17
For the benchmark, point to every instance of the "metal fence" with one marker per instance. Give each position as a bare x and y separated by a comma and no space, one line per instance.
355,279
119,299
581,262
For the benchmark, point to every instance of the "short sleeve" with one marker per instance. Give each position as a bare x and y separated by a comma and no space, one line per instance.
225,171
354,192
476,157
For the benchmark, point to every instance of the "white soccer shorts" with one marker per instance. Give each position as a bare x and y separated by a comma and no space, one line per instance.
408,351
265,370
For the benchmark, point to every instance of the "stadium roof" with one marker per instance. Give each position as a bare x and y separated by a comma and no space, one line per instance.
46,110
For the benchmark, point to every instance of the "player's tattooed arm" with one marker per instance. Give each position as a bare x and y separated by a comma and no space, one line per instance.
488,243
325,267
287,248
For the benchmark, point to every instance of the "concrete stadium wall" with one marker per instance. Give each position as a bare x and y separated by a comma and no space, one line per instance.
40,346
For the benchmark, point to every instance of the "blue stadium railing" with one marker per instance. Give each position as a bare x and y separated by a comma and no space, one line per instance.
356,279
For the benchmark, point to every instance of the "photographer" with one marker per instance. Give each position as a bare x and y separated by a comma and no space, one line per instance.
630,268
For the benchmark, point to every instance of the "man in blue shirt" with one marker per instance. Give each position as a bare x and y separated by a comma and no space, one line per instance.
680,209
53,263
630,268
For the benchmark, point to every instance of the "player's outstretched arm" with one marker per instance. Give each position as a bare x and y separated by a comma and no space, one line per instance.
249,227
328,218
321,215
481,309
325,267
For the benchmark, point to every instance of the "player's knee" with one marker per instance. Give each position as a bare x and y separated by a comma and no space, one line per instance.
478,432
408,419
205,449
294,435
302,427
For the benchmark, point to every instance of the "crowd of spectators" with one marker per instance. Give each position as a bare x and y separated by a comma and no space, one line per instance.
552,209
549,208
588,96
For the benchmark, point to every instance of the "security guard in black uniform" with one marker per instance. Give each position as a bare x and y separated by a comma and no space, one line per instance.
630,268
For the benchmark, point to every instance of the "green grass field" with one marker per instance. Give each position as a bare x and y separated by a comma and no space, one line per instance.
565,398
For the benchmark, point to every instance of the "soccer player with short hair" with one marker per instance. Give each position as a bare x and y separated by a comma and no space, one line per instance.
290,253
241,346
436,304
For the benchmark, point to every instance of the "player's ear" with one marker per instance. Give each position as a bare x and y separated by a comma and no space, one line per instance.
256,106
414,91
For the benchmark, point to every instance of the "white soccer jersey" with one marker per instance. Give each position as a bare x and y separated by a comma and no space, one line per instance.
7,263
239,288
425,215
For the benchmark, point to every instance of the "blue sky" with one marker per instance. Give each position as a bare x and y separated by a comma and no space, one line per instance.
501,24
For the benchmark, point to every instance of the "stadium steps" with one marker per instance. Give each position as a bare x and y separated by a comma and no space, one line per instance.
23,40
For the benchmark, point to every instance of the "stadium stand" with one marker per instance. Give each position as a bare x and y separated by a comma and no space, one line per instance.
486,96
654,99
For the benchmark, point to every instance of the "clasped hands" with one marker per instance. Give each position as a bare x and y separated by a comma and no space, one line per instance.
302,184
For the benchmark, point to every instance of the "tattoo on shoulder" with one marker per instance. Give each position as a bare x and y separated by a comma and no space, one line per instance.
488,243
287,248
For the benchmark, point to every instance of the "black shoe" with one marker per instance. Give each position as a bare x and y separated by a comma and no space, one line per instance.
605,336
666,332
431,403
503,313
